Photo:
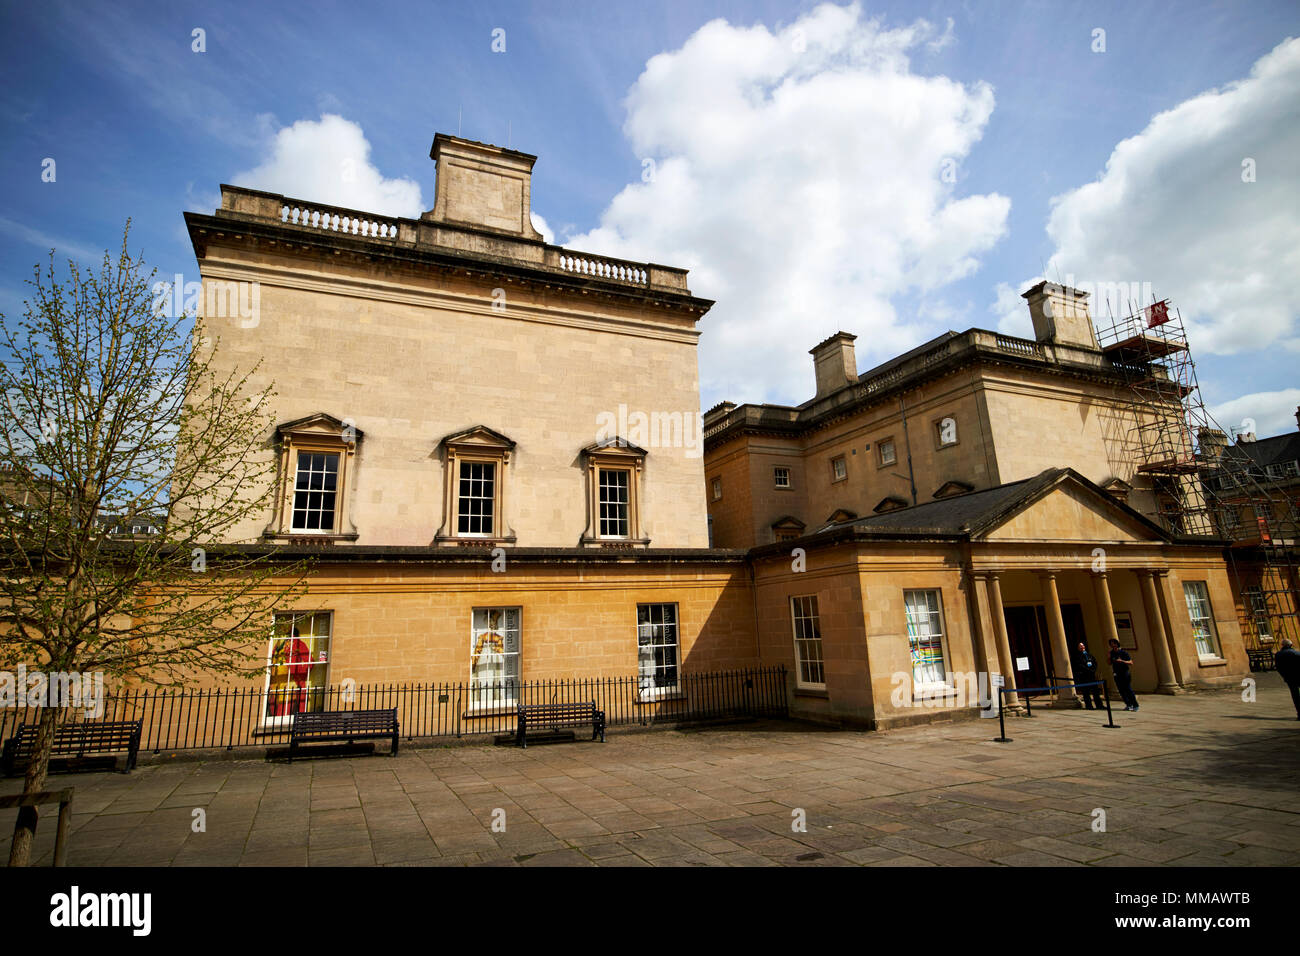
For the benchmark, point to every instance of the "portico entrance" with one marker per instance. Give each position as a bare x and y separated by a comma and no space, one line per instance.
1030,642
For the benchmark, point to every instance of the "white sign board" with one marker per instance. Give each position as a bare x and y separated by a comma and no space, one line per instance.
1022,663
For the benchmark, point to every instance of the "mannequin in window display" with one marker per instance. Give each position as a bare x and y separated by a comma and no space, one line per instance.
488,659
290,667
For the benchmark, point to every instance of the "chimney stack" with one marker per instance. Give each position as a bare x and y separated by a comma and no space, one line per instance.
1297,416
835,363
717,413
1212,441
1060,315
482,186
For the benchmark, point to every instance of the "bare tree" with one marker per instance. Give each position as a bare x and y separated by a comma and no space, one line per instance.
111,412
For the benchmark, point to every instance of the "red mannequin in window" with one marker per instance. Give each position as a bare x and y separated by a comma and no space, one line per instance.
291,696
299,668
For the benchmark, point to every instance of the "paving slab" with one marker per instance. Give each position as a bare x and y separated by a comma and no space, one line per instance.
1195,780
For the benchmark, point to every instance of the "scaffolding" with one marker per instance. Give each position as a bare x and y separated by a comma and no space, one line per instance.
1194,482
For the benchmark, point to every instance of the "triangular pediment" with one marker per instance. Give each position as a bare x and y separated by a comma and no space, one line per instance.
479,436
889,503
1070,511
841,514
615,445
1117,488
788,523
322,425
950,488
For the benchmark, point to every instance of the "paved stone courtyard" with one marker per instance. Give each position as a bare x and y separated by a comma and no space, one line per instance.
1202,779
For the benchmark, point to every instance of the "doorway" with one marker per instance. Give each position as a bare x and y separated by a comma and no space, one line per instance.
1075,632
1026,633
1031,644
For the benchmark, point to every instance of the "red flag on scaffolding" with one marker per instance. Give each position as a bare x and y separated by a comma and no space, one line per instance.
1157,313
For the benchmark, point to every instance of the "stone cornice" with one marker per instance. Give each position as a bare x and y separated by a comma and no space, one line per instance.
975,347
377,291
252,215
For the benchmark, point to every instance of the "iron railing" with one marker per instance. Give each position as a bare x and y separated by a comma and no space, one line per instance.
226,718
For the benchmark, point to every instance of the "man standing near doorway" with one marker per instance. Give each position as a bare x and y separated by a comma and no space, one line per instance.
1287,662
1122,666
1084,666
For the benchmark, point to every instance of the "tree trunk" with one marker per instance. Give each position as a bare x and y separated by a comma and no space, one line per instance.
25,828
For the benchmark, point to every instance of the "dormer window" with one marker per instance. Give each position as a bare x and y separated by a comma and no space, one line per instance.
787,528
890,503
317,459
951,488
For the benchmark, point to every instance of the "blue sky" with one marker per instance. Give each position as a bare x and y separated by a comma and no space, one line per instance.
139,125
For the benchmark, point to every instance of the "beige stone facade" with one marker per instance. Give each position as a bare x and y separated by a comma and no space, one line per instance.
407,616
492,446
1057,548
960,413
463,319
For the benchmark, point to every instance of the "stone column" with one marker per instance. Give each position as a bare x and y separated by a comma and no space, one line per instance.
1056,630
1105,611
997,617
979,626
1161,635
1105,608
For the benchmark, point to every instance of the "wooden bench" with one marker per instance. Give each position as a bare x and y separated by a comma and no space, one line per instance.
533,716
343,726
77,742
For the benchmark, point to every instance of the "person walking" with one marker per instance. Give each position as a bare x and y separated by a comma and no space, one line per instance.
1085,672
1287,662
1121,664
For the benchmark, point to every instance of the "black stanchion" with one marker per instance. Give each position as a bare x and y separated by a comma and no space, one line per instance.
1110,719
1002,737
1027,695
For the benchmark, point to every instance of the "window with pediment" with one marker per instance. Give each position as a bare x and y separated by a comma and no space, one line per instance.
318,456
476,482
613,470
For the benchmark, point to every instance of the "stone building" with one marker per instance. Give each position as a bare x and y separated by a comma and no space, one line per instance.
960,413
1253,486
450,394
975,500
493,449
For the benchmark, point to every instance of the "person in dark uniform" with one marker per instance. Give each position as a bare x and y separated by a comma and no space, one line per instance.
1085,672
1287,662
1122,667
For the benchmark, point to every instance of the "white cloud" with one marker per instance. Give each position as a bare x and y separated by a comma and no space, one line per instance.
1171,209
328,161
1272,412
1011,311
541,226
947,39
63,249
798,174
